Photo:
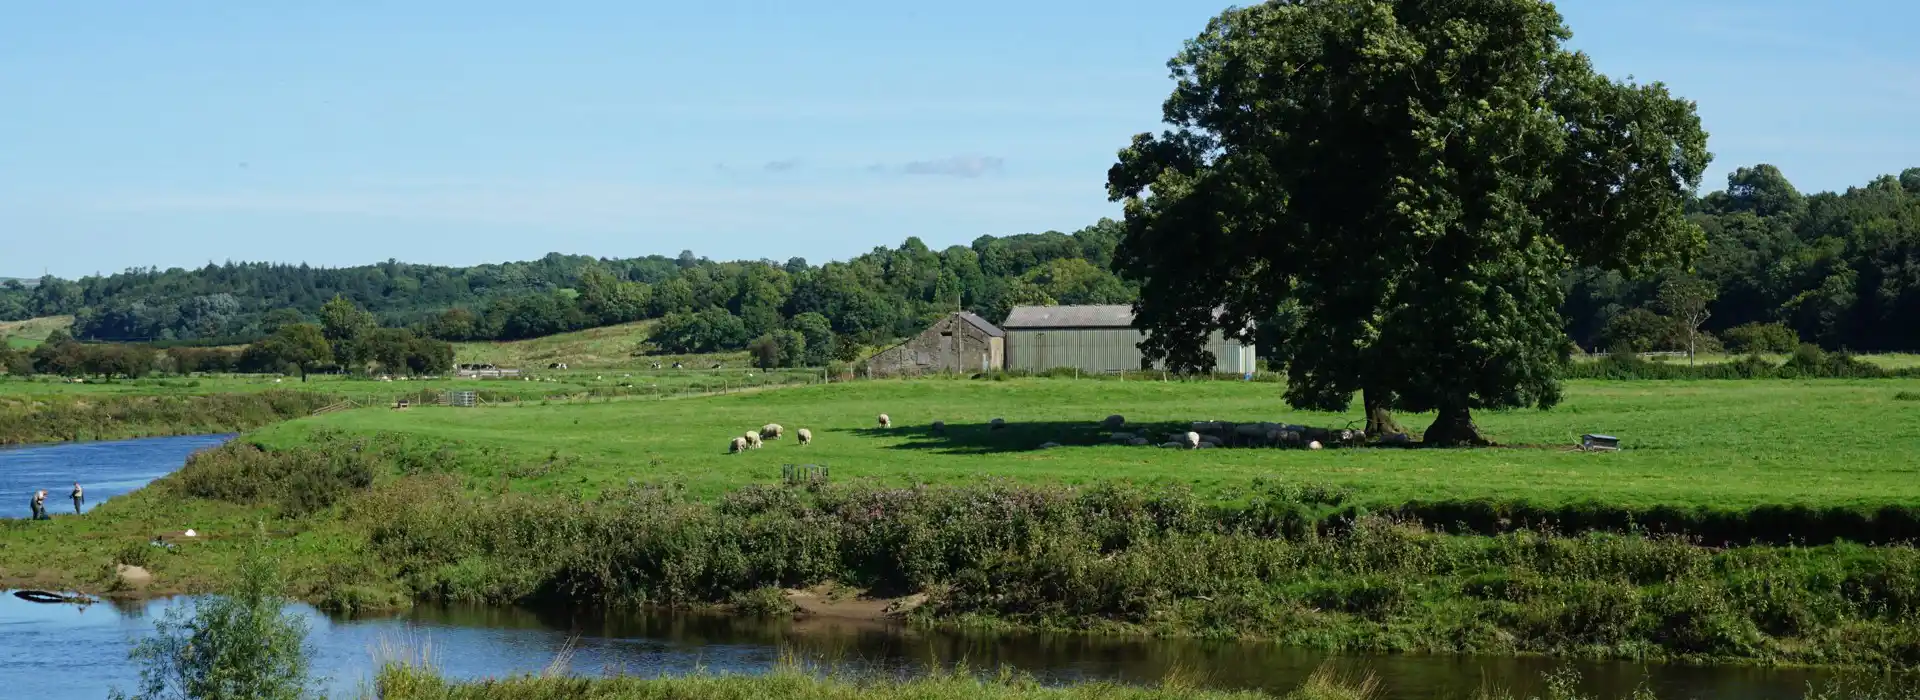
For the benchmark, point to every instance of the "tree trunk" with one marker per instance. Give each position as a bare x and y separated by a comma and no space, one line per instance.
1380,422
1453,428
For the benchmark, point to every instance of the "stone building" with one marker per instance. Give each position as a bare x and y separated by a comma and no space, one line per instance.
1097,339
961,342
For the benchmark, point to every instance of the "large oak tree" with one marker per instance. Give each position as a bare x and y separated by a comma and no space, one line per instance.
1411,178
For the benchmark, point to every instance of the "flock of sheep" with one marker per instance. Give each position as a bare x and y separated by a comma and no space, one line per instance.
771,431
1202,435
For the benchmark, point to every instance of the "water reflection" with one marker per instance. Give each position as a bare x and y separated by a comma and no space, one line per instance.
62,651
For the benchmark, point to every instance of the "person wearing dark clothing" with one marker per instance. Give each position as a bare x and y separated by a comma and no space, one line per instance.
40,505
79,497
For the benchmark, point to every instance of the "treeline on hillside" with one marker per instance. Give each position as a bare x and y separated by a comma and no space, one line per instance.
705,305
347,339
1838,269
1841,270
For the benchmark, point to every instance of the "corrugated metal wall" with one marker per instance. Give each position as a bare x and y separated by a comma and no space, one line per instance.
1106,350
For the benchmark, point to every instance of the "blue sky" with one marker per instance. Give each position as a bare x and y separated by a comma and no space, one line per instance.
177,133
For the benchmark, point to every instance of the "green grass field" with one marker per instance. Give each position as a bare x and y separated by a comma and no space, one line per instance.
607,347
1712,443
29,333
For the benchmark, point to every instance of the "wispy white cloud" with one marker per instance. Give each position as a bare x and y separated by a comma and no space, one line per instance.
956,166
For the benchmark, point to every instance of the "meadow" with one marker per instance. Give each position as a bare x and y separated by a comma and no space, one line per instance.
1718,443
627,500
31,332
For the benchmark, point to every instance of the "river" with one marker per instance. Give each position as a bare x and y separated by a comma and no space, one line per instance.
57,652
104,469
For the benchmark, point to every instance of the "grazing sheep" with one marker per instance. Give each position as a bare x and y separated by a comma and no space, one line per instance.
1139,442
1191,440
738,445
771,431
1049,445
753,439
885,422
805,435
996,424
938,427
1114,422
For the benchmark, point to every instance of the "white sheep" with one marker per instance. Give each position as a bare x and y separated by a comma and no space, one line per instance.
805,435
1313,445
771,431
1114,422
753,439
1192,440
738,445
885,422
996,424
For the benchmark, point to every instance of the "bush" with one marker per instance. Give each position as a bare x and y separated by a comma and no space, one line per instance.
241,645
1760,338
297,482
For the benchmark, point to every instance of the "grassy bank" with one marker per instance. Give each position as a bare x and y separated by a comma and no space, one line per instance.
67,417
400,681
406,683
372,523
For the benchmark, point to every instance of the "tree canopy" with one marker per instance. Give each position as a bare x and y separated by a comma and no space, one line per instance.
1412,178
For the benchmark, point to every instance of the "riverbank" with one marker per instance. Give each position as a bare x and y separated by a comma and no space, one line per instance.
400,681
31,419
370,523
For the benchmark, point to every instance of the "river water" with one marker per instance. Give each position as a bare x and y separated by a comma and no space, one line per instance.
60,652
104,470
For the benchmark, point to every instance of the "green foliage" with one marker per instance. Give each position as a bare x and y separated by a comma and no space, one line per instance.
241,645
779,349
1760,338
418,681
303,346
294,483
1423,241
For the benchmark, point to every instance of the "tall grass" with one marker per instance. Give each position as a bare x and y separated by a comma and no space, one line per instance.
402,681
1120,558
54,418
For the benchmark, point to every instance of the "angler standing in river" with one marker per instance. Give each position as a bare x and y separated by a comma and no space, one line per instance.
79,496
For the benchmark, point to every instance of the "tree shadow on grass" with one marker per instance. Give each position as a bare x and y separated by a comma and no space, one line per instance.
1016,436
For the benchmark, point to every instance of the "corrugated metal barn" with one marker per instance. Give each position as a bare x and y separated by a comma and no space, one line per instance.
1096,339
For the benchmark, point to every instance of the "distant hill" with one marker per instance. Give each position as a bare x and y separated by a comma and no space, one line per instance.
708,306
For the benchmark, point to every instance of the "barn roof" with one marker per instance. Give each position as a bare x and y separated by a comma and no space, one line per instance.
981,323
1102,316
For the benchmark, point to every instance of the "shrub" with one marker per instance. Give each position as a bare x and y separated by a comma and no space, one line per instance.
241,645
1760,338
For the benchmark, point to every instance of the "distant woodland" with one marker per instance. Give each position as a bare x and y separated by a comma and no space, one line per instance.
1839,269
